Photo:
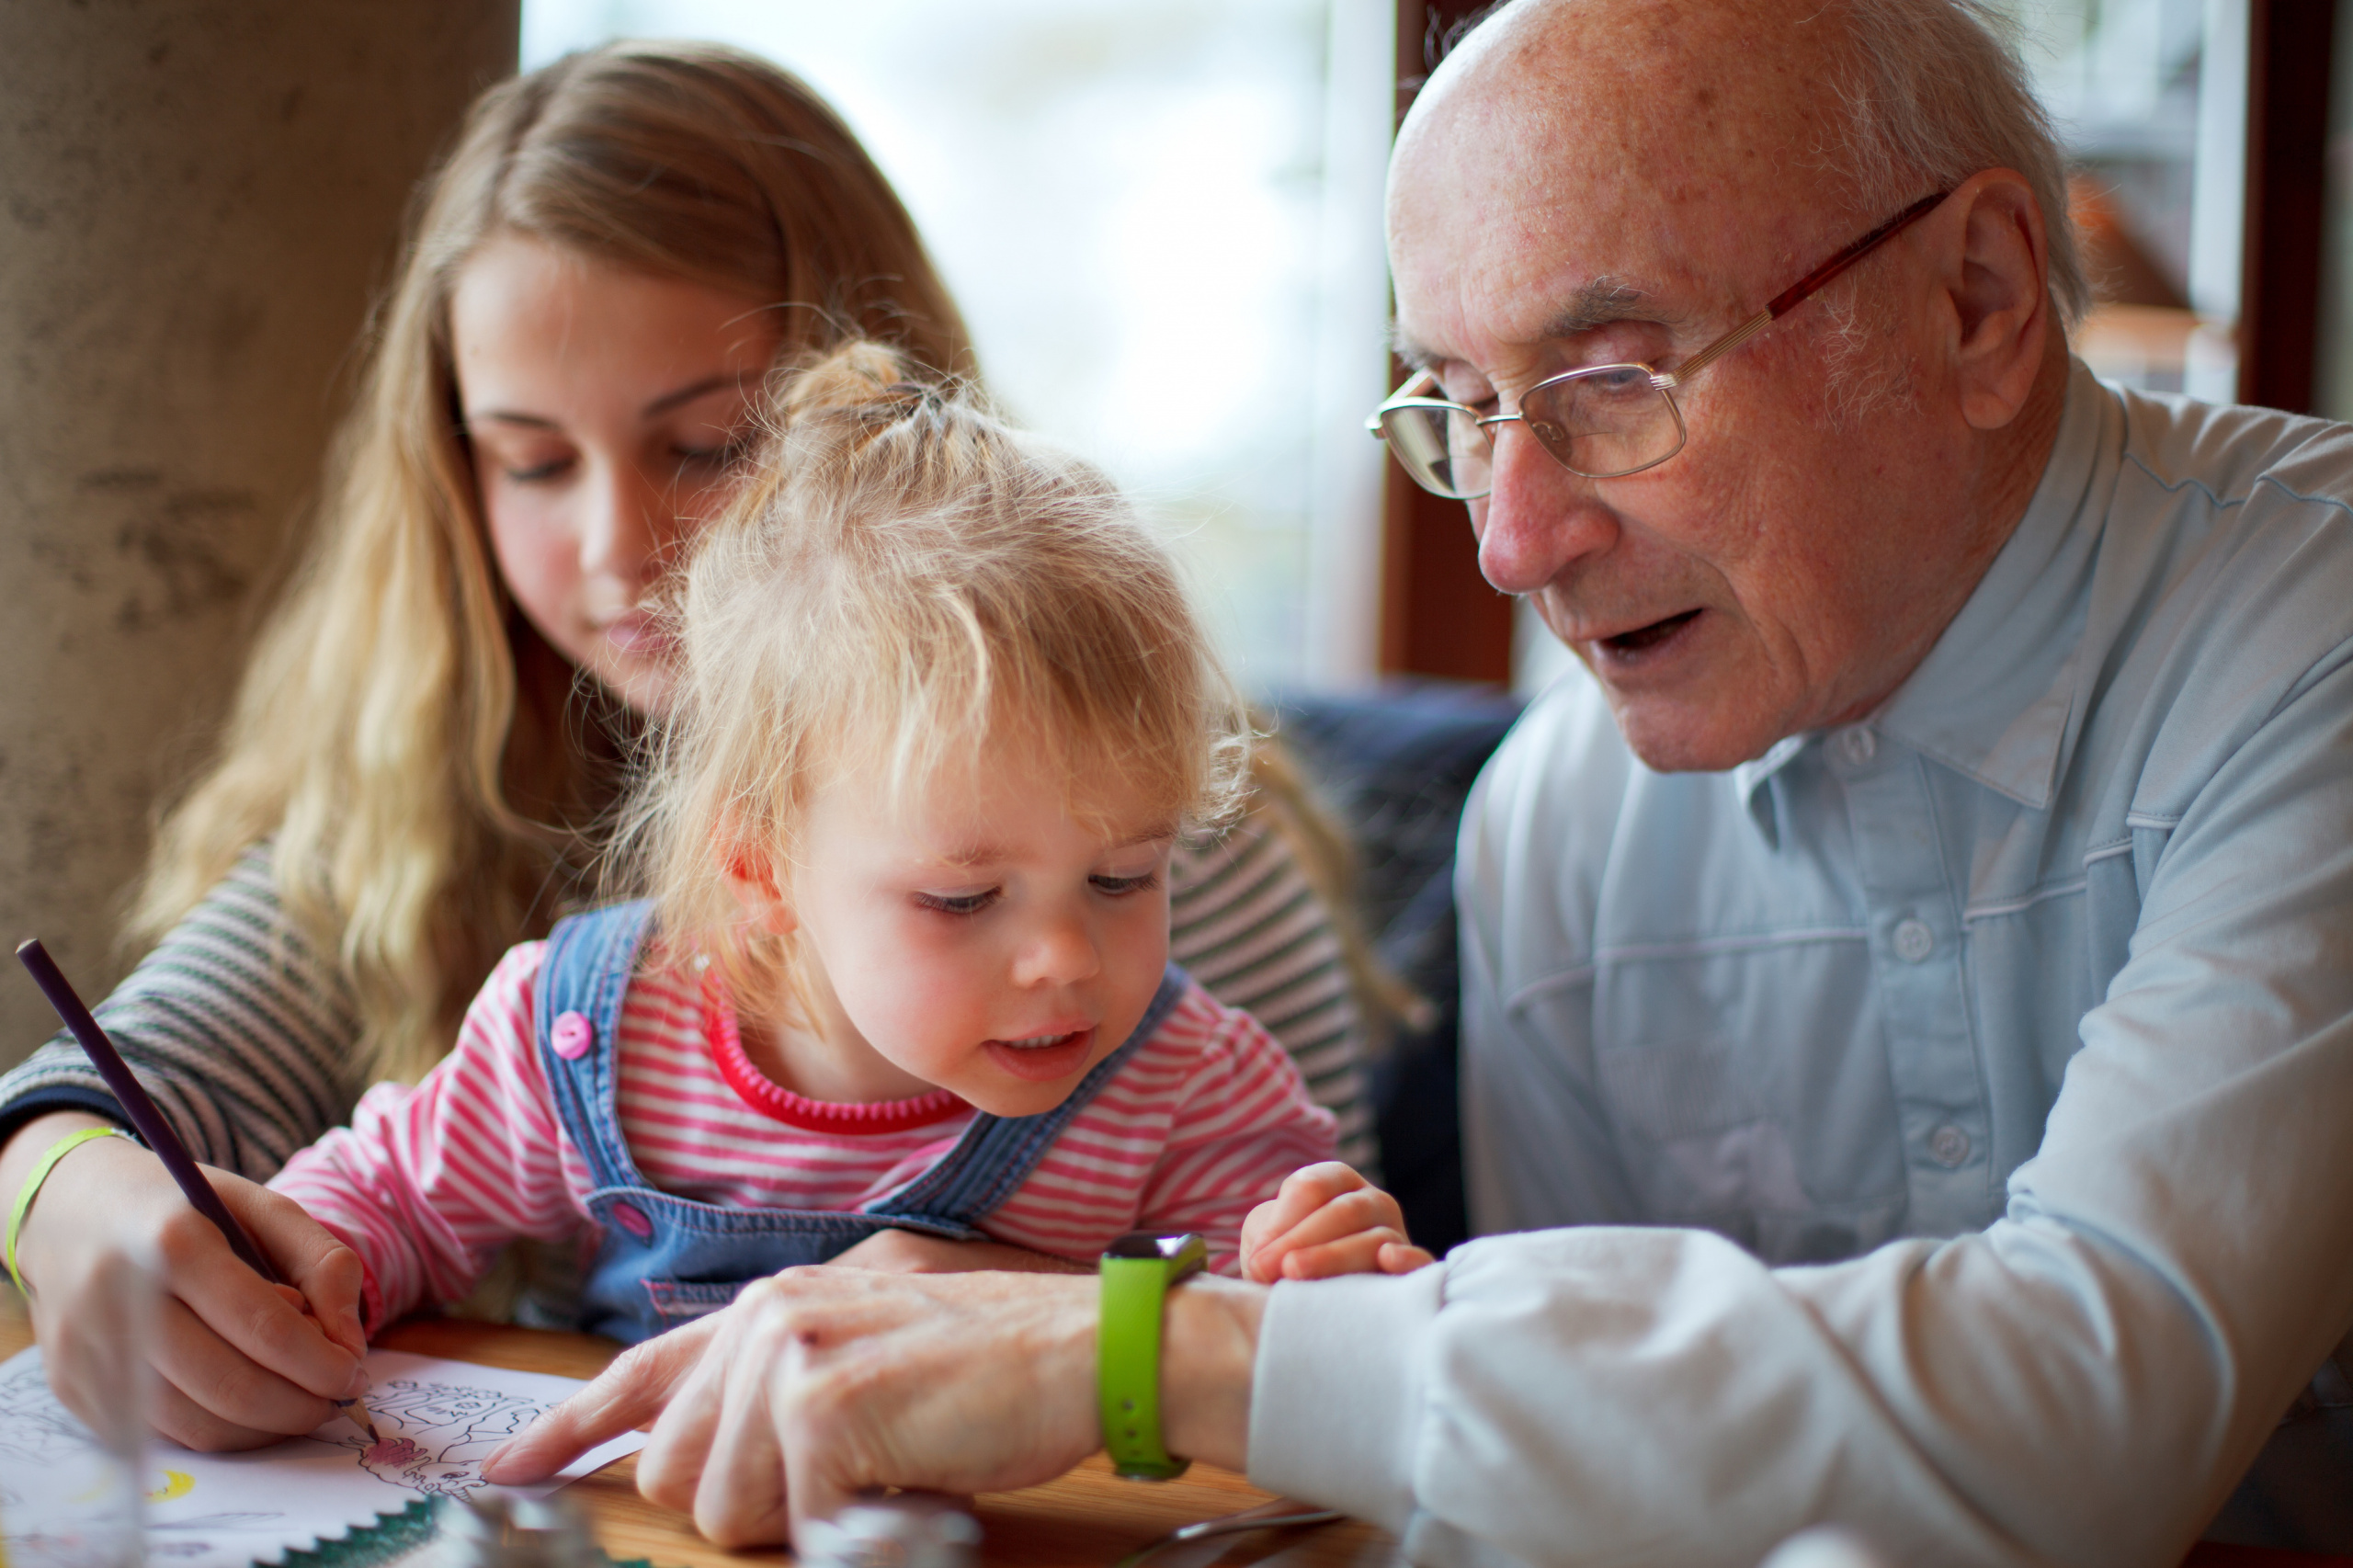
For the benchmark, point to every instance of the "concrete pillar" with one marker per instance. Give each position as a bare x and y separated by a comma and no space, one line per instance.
197,198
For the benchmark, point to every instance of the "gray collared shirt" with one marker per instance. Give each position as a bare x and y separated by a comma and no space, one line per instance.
1979,1075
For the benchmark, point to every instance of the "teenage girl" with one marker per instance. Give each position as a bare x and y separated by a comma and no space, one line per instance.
941,714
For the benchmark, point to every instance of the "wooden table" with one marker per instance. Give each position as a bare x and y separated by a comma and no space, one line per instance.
1086,1520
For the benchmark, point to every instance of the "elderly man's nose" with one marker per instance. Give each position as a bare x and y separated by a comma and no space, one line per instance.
1538,521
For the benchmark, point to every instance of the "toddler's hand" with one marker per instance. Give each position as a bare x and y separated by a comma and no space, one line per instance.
1326,1220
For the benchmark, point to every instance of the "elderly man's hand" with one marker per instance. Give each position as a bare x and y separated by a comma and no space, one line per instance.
822,1381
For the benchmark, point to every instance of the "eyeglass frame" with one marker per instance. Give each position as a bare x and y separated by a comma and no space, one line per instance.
1412,392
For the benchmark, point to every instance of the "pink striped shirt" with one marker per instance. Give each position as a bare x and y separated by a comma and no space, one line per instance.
428,1183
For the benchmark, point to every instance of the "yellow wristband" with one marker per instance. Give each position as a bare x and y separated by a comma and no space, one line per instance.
57,1152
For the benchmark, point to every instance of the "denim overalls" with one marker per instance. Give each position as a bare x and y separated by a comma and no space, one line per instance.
665,1259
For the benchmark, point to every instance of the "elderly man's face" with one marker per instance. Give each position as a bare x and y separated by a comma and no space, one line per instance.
1793,561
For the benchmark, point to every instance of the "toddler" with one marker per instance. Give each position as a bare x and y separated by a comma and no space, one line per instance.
941,711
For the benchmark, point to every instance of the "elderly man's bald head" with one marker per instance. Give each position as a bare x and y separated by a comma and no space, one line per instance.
1589,183
1859,104
1677,104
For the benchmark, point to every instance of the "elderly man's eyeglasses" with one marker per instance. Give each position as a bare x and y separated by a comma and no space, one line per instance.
1602,421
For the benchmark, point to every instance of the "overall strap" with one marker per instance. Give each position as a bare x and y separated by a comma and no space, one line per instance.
577,1013
997,1154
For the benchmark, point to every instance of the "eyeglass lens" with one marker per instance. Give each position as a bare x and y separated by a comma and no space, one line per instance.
1600,422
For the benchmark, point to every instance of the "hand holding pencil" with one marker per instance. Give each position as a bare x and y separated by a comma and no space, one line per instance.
244,1355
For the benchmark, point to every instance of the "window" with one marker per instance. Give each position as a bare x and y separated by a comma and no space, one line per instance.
2149,98
1163,220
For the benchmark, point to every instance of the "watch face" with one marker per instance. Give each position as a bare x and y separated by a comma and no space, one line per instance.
1147,1244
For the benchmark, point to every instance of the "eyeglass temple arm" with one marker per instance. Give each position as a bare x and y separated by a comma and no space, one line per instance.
1805,288
1419,385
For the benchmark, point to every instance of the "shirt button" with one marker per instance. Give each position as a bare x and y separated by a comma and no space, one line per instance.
1858,745
1949,1146
1913,940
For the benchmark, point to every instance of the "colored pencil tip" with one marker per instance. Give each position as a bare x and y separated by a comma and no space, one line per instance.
360,1418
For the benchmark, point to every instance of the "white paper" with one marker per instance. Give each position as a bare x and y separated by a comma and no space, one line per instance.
438,1421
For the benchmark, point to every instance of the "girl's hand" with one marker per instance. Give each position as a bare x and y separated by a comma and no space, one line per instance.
1326,1220
239,1362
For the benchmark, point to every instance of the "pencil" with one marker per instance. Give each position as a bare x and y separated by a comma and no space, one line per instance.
155,1131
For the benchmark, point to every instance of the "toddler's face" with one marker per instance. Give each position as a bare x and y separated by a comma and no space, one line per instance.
995,937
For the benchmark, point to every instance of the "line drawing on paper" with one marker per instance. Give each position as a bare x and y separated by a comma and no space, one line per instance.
62,1506
34,1428
441,1434
435,1435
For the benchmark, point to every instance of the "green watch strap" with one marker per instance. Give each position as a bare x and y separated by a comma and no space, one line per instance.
1137,1272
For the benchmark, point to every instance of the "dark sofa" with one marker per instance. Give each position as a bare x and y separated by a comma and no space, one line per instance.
1396,764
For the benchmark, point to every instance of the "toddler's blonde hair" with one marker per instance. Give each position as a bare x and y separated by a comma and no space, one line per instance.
903,581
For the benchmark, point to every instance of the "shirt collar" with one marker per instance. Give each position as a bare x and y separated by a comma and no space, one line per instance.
1993,698
1750,777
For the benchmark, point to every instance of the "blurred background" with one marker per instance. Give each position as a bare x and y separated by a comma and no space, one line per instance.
1163,219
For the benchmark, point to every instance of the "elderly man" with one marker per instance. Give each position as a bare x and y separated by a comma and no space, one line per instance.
1913,973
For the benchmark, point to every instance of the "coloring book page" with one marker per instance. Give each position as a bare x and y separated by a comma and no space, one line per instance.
437,1421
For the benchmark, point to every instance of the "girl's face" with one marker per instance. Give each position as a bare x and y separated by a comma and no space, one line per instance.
993,938
604,407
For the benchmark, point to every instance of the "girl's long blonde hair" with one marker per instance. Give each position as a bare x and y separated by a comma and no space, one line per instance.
425,767
902,582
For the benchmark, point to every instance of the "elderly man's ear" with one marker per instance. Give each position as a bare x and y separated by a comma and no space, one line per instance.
1994,277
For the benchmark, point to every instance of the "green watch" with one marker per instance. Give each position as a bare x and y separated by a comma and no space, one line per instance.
1138,1271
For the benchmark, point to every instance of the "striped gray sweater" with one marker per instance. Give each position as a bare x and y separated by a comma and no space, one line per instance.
248,1038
